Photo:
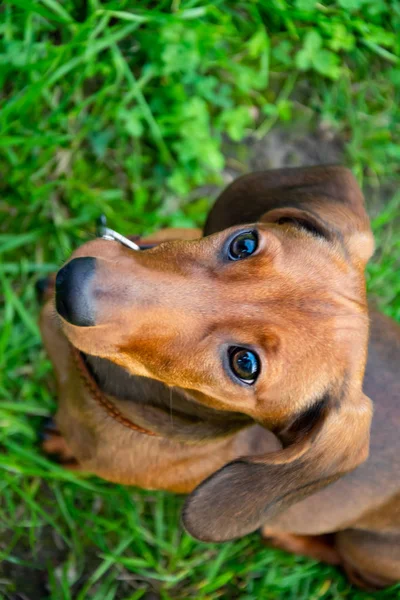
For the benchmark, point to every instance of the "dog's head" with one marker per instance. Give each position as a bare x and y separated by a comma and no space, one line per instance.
266,315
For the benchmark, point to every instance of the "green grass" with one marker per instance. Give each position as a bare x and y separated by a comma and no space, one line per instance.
127,108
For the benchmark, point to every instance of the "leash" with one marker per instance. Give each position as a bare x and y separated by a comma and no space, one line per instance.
109,234
84,373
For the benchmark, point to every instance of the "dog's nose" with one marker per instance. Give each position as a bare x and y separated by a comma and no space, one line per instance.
73,300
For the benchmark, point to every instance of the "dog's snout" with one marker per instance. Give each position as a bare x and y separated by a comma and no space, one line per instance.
73,297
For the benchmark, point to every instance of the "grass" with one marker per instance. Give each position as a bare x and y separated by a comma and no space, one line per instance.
126,108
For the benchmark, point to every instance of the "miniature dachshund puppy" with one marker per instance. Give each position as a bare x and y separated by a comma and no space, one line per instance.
242,368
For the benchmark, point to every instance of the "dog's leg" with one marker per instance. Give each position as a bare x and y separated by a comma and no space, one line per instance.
371,560
319,547
53,444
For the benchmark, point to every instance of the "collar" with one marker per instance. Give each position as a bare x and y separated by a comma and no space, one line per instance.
97,395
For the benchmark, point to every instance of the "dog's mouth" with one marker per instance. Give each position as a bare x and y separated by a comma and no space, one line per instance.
150,403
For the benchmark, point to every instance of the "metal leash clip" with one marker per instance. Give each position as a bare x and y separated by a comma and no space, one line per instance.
109,234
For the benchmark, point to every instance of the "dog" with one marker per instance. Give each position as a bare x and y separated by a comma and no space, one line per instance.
232,367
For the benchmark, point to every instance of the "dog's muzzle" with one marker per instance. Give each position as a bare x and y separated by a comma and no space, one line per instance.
74,300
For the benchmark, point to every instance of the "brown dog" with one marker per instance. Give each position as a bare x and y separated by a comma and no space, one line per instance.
232,366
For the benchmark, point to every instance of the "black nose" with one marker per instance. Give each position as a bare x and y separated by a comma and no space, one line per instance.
73,300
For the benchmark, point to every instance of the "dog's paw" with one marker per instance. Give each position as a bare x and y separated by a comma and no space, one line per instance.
366,581
317,547
55,446
48,427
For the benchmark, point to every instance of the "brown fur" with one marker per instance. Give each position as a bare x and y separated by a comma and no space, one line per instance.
283,454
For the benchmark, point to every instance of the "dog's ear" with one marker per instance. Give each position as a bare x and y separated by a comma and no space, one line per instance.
326,441
326,200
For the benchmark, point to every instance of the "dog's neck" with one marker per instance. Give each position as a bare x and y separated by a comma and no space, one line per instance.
169,411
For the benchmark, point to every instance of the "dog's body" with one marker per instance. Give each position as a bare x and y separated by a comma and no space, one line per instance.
150,432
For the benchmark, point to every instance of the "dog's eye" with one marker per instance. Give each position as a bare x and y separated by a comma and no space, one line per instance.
243,245
245,364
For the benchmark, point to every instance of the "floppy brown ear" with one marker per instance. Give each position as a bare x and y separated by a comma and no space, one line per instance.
326,198
328,440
